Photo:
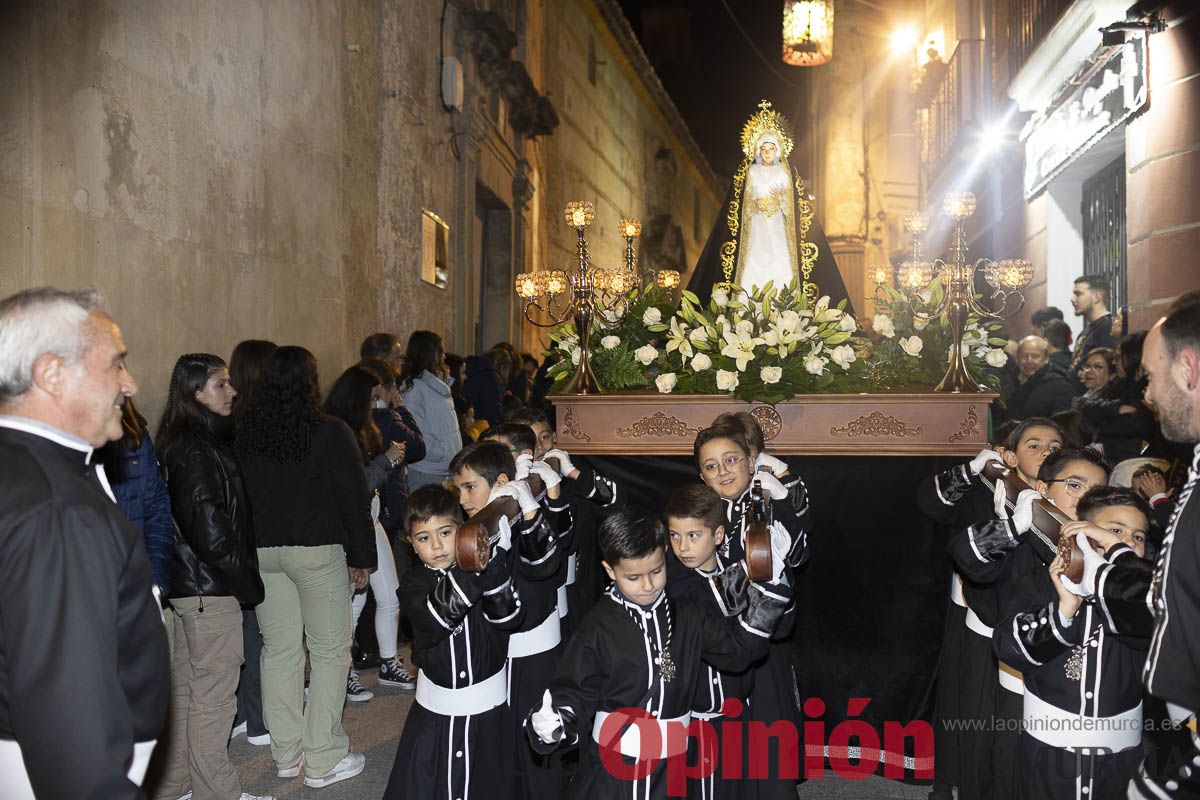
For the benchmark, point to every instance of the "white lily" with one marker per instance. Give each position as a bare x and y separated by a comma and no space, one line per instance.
740,343
677,339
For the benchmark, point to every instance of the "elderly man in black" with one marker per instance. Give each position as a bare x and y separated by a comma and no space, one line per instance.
1043,389
83,654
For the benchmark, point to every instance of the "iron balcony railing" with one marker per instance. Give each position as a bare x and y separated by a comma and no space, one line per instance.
959,105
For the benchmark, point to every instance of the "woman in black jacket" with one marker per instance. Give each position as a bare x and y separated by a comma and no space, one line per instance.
214,573
1120,421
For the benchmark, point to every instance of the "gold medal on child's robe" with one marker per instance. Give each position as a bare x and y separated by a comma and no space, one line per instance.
666,667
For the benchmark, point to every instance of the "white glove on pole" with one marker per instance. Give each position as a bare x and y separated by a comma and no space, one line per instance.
547,723
999,498
775,465
504,535
546,472
523,462
1092,561
774,488
781,545
519,491
980,461
1022,516
564,461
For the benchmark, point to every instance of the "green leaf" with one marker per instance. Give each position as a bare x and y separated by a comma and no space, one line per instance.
690,297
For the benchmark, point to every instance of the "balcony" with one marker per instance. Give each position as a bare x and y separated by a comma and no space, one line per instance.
959,104
1029,22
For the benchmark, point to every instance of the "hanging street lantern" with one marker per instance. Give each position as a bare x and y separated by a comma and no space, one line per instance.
807,32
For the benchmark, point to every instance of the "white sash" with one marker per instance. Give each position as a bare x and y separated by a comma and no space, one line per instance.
474,699
1058,728
631,741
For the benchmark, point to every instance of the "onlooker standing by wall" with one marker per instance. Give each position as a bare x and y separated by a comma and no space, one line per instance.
312,522
1043,389
131,466
428,398
215,573
1058,337
83,692
1090,301
245,371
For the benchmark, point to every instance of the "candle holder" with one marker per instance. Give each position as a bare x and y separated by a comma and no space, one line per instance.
1006,278
587,293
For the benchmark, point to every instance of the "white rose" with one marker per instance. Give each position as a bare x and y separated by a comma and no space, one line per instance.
652,316
721,298
701,362
844,355
883,325
645,354
575,357
848,325
912,345
996,357
771,374
698,335
920,323
727,381
815,364
666,382
609,342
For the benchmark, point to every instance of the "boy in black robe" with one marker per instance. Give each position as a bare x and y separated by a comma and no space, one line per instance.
641,650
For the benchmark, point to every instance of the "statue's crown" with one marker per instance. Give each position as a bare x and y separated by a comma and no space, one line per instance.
767,120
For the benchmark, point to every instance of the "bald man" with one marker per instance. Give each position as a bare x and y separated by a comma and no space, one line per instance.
1044,388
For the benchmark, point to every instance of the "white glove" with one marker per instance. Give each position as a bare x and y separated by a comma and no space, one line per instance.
979,461
546,473
1092,561
1022,516
547,723
781,545
523,462
999,500
503,535
517,490
775,465
564,461
774,488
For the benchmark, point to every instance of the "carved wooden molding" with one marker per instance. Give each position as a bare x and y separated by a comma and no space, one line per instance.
570,426
876,424
769,420
968,427
658,424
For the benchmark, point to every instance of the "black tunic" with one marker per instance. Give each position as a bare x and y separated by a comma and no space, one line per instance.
592,497
460,637
84,671
613,663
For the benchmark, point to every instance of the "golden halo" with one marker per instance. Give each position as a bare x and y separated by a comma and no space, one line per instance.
767,120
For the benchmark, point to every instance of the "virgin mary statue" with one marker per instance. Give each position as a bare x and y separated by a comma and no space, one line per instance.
766,231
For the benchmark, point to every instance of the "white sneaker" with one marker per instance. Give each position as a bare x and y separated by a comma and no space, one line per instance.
248,796
237,731
347,768
259,740
293,770
187,796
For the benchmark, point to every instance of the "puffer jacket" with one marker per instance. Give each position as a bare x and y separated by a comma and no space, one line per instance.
214,552
428,398
141,494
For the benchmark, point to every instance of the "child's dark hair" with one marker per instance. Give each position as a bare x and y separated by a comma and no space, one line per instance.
1057,461
699,502
489,460
431,500
631,533
1014,438
714,432
529,416
520,436
1099,497
747,424
1074,428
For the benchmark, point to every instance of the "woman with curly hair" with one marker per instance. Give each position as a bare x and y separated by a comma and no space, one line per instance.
350,400
311,506
214,574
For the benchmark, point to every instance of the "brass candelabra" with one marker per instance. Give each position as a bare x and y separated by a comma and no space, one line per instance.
587,292
1006,278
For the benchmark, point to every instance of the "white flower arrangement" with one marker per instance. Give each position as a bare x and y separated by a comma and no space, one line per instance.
609,342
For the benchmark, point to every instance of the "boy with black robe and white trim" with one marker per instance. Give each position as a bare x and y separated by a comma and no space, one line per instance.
481,473
640,649
461,623
1083,716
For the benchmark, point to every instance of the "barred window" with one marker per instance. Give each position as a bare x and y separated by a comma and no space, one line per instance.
1104,229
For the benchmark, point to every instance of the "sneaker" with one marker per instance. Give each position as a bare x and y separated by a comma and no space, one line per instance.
237,731
355,692
248,796
187,796
259,740
347,768
393,673
292,770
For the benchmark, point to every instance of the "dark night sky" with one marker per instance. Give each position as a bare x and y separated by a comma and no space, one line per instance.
711,72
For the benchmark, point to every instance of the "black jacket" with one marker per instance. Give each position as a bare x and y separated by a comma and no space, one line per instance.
84,671
1095,334
1044,394
1122,435
214,545
482,390
320,500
